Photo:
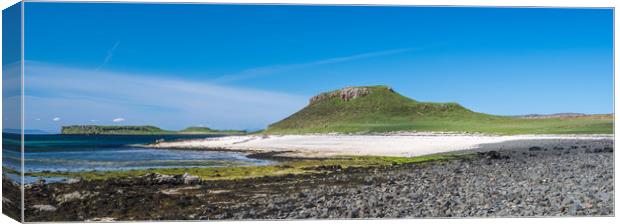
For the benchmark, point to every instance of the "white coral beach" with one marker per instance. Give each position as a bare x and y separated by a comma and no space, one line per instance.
407,145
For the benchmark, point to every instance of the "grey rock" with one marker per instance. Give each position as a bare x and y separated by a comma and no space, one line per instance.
44,208
190,179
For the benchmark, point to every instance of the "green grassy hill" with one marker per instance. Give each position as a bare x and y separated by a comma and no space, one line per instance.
380,109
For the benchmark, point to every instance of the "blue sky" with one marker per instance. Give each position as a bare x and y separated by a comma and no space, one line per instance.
235,66
11,67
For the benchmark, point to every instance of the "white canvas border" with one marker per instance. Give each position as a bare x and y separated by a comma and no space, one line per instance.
485,3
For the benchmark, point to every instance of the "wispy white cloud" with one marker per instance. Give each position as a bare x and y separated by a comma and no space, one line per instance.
267,70
118,119
80,96
109,55
56,119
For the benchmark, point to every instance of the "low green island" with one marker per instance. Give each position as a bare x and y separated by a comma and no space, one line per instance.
140,130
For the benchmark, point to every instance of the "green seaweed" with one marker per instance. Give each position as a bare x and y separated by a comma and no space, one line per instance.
296,166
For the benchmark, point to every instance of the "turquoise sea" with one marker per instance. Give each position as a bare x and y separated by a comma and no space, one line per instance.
111,152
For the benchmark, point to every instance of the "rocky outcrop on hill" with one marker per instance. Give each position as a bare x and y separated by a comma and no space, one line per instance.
346,94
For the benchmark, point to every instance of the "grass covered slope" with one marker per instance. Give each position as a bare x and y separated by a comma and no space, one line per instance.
380,109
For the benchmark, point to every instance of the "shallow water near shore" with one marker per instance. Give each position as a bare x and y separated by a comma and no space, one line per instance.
74,153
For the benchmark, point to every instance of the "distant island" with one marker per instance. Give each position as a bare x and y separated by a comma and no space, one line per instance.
140,130
379,109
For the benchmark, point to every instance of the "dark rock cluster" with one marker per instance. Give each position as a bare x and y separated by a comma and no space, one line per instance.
160,179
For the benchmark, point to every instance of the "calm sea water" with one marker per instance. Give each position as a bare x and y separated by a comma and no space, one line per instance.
111,152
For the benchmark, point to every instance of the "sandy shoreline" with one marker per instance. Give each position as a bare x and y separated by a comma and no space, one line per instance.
564,177
406,145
